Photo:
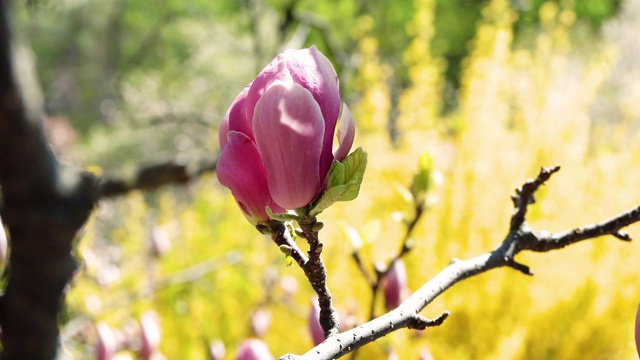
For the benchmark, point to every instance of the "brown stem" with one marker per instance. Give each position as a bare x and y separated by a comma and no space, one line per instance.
316,272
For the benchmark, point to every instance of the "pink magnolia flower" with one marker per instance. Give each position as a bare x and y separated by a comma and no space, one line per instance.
395,285
253,349
277,136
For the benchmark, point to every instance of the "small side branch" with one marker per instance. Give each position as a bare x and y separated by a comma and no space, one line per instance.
523,196
154,176
313,266
281,237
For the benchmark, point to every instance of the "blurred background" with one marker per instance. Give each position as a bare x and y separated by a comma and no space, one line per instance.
490,89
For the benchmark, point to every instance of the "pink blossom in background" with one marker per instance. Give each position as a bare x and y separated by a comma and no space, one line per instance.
395,285
315,329
253,349
107,344
149,334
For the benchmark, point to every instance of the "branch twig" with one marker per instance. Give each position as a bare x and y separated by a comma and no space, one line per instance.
313,267
520,237
154,176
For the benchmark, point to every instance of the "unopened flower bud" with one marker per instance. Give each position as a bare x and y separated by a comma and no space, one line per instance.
160,242
395,285
317,334
277,136
216,350
149,334
425,354
253,349
289,285
260,322
106,347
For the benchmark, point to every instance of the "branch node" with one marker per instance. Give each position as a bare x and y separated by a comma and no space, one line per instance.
622,235
518,266
420,322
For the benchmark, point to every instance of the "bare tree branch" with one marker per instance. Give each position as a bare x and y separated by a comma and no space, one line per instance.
44,206
154,176
520,237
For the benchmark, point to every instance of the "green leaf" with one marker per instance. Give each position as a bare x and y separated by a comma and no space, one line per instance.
344,182
422,179
289,260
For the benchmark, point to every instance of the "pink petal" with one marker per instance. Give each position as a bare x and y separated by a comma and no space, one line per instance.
253,349
395,286
289,130
236,119
240,168
276,70
317,334
311,69
150,333
107,344
346,134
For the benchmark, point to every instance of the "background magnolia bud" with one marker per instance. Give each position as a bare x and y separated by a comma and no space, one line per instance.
315,329
216,350
395,285
106,346
425,354
253,349
277,136
149,334
289,285
160,242
260,322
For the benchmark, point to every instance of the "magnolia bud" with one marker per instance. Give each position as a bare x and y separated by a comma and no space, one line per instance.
289,285
149,334
317,334
160,242
216,350
253,349
260,321
106,346
425,354
395,285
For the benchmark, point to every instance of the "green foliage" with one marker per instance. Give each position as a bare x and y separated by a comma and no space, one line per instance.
422,180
